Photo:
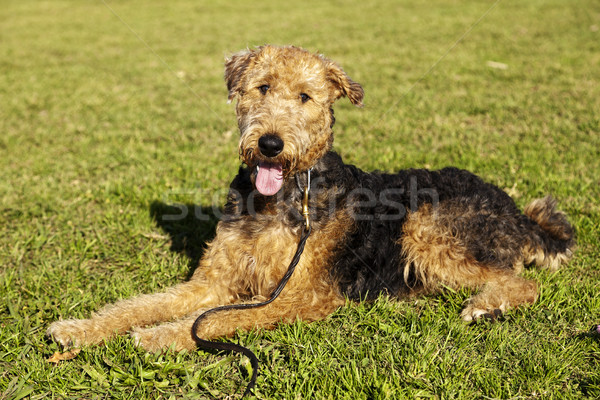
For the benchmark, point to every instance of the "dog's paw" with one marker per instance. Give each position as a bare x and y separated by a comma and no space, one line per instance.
472,313
70,332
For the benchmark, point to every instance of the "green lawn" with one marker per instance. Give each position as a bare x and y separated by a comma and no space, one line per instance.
111,113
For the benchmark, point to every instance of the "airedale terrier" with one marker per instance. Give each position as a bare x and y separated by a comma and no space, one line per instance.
414,232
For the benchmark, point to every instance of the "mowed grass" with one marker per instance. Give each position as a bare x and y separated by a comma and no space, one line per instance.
112,113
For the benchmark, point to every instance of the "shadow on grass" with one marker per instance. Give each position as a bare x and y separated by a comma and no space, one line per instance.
190,226
590,385
593,334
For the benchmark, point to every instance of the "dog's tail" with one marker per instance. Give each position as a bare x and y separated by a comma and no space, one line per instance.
552,238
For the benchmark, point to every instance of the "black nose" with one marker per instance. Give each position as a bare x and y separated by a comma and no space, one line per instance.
270,145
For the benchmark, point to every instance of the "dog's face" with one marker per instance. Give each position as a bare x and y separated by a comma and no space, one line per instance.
285,95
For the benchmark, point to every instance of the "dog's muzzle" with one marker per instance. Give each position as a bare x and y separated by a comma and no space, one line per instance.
269,175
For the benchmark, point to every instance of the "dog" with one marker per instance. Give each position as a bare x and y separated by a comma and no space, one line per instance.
410,233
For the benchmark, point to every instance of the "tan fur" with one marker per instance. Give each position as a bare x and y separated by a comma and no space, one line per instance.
304,129
543,212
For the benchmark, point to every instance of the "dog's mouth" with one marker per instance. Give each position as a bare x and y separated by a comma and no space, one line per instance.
269,178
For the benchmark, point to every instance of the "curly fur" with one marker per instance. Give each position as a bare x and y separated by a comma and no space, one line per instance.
415,231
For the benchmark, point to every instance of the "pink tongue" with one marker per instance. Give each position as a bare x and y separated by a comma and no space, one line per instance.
269,178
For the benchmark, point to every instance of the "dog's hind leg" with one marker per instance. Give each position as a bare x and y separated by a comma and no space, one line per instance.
500,292
438,252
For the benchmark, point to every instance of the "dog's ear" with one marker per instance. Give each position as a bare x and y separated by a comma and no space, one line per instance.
344,85
235,68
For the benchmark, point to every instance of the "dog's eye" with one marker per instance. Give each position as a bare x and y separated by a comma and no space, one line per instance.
264,89
304,97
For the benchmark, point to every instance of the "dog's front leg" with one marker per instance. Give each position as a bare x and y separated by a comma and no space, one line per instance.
143,310
215,282
306,304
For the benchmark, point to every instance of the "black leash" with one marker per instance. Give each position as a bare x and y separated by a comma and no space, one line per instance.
231,347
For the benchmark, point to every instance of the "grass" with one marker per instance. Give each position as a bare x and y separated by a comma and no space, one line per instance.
111,113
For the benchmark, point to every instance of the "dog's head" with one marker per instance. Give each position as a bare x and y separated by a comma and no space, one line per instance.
284,110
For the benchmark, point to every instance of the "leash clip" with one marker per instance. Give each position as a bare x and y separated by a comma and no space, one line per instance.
305,212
